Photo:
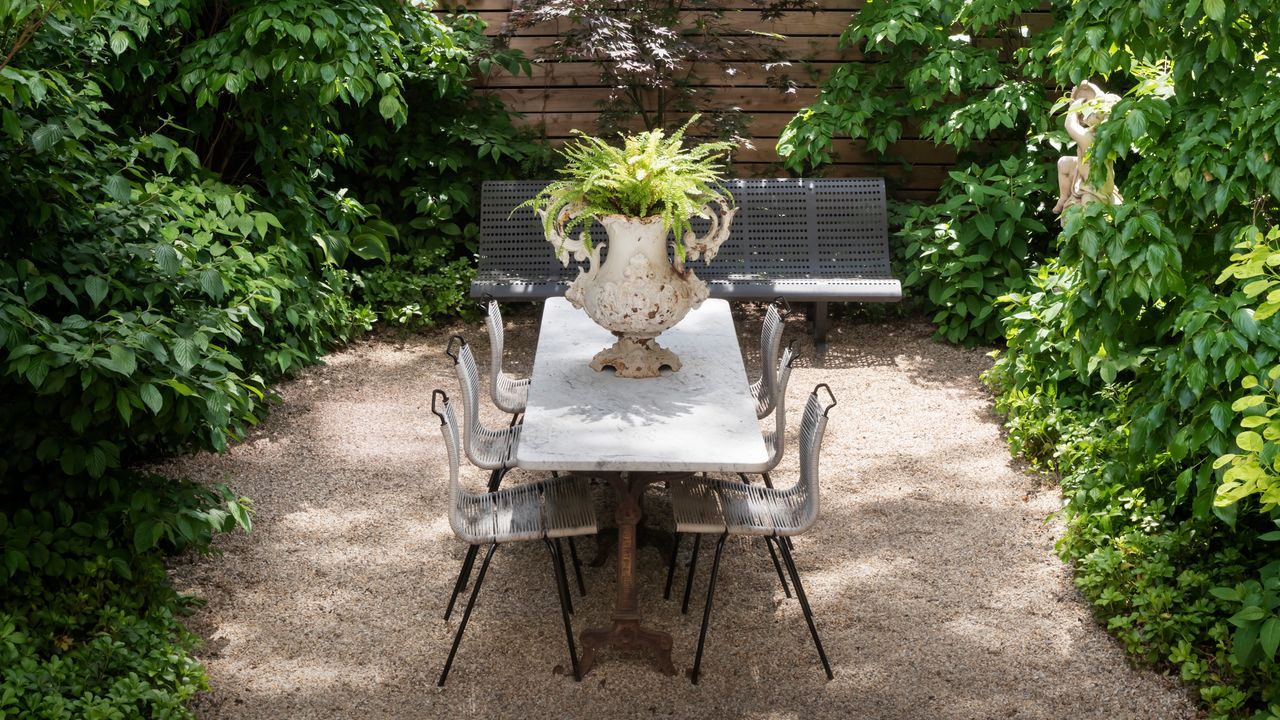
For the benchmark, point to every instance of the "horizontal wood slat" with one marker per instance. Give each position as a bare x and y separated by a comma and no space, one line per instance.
822,48
712,75
504,5
796,23
792,23
566,99
762,150
561,97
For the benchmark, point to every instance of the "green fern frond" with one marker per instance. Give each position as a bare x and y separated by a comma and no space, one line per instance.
651,174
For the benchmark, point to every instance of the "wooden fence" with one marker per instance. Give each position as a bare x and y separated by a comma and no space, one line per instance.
564,96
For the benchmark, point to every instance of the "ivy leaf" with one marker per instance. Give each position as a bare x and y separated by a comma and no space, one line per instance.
97,288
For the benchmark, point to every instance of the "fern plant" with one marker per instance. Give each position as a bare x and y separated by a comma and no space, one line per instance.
651,175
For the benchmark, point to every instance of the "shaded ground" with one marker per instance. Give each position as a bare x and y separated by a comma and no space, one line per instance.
931,570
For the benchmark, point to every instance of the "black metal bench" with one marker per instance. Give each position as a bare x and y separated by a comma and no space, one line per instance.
806,240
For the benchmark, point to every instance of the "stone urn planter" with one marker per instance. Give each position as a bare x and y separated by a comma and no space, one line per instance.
645,194
639,291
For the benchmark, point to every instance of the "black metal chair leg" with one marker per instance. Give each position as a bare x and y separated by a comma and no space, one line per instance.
466,614
777,566
559,556
804,605
515,418
671,568
768,482
495,478
693,566
464,574
562,591
706,610
577,568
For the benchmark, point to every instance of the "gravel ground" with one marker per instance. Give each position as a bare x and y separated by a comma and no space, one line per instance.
931,570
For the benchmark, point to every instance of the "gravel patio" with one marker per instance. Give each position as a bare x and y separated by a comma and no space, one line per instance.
932,570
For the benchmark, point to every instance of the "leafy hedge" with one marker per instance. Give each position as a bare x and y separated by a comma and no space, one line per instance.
200,198
1142,341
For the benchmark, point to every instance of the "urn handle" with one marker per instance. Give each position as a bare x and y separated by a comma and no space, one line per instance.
706,247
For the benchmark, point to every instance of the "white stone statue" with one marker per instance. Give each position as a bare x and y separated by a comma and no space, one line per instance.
1090,105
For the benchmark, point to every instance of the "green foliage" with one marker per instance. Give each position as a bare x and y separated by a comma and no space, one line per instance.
416,289
1125,350
1256,469
651,175
968,250
192,191
967,78
87,625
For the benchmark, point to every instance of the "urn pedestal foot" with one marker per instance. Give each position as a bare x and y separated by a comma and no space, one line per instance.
632,358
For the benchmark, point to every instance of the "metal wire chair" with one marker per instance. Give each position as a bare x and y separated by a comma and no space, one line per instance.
546,510
727,508
763,389
509,393
489,448
775,440
492,449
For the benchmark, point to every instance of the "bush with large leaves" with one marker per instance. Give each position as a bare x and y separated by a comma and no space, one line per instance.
183,184
1126,361
964,76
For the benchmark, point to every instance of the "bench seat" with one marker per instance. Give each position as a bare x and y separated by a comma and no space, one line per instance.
807,240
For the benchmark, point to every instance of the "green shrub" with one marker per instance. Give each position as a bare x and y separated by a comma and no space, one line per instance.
191,191
1126,351
965,77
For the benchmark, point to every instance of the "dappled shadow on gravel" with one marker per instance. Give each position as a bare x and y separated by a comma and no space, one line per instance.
931,570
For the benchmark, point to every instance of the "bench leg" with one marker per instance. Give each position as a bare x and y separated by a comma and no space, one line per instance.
819,317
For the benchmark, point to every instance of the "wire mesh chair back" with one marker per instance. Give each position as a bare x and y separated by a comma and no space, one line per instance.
443,409
803,496
777,439
509,393
504,516
765,389
487,448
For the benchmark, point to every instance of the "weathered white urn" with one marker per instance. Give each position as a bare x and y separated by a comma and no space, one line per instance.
639,291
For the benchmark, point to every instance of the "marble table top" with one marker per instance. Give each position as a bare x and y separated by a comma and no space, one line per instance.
701,418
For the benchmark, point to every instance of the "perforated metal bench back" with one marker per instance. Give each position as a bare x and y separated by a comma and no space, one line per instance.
819,238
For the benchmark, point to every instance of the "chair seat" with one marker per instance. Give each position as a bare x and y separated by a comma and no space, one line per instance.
502,516
695,505
511,394
569,507
494,449
716,506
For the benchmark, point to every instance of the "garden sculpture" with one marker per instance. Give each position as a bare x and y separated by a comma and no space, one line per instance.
1089,107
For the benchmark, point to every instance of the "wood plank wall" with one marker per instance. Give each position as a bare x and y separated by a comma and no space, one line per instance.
563,96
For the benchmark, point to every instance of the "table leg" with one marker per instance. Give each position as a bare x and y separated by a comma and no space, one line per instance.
627,629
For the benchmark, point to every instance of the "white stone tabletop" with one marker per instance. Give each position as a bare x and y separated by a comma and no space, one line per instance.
701,418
